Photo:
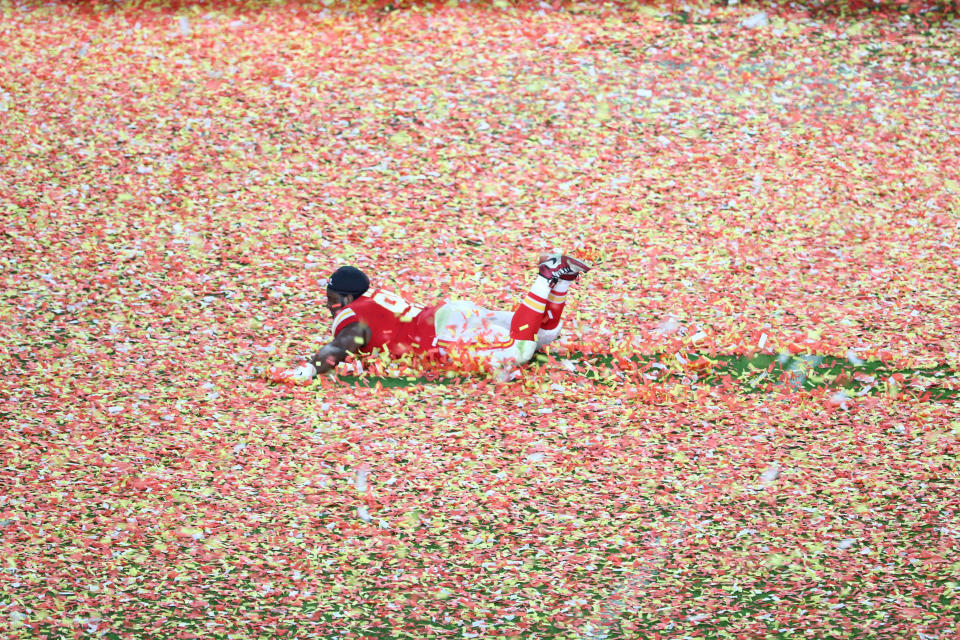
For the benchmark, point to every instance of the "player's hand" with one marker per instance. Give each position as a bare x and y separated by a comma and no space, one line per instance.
302,375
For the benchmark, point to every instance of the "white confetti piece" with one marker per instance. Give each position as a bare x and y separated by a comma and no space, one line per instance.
668,326
756,21
360,478
770,474
853,358
839,399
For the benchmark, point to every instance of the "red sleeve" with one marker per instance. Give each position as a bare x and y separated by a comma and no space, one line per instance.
345,318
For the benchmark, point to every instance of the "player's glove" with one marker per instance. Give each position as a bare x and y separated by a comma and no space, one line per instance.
300,376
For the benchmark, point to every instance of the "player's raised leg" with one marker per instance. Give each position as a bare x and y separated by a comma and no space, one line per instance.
503,319
529,313
550,323
552,270
567,271
552,316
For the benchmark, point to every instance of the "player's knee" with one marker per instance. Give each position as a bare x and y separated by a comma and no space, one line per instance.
524,350
546,336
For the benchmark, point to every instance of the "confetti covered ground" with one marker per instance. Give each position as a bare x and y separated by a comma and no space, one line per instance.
748,430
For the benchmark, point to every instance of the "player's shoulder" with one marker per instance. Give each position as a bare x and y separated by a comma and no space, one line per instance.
346,316
361,303
378,299
356,310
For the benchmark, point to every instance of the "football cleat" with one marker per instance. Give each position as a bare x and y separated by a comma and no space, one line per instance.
556,267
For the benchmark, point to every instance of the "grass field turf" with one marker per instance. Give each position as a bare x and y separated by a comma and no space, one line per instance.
175,178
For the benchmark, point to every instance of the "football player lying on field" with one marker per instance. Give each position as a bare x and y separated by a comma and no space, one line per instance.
384,321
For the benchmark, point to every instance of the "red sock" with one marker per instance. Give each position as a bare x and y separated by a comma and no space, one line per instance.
528,316
555,302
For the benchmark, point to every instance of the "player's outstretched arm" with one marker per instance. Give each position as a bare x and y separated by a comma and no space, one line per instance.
352,338
349,340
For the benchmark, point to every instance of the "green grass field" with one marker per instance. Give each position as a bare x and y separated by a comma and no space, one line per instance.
747,430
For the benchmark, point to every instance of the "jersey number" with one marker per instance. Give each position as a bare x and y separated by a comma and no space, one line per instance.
399,307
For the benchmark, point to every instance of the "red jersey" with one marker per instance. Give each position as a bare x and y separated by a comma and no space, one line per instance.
395,324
